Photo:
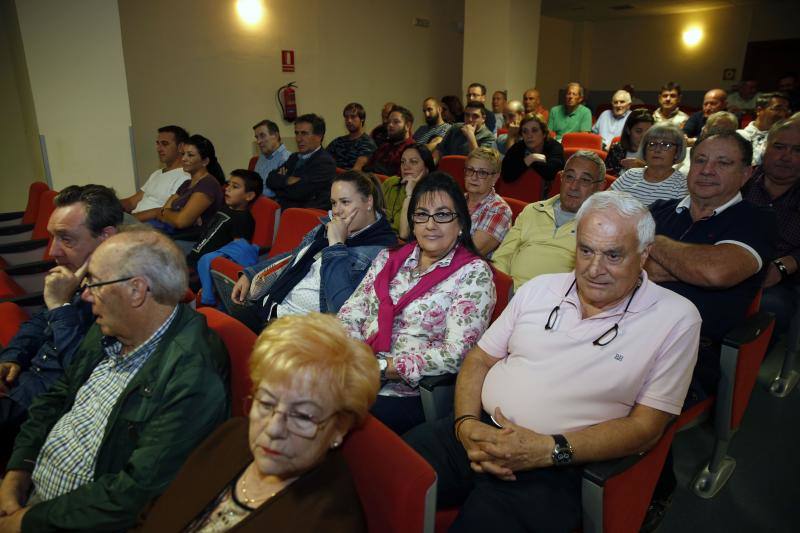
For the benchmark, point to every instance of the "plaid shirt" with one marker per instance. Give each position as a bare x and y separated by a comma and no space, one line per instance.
67,458
492,215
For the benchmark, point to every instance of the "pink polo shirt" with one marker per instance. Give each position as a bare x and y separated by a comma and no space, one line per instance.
557,381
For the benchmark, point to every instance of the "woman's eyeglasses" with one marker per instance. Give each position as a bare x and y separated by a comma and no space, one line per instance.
660,145
608,335
481,173
440,217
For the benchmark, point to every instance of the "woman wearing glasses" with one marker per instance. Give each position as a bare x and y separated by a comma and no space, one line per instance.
281,469
662,147
535,150
420,307
489,213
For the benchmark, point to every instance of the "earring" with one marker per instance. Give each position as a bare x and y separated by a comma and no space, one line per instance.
335,445
460,232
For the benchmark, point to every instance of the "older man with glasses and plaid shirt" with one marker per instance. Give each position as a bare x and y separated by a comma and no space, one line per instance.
147,384
581,367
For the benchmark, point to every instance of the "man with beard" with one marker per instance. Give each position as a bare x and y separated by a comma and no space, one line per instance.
352,151
435,128
386,159
464,137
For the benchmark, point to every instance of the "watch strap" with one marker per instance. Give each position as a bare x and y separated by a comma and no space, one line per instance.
781,268
562,451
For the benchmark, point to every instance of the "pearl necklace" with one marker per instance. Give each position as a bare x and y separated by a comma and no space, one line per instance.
253,502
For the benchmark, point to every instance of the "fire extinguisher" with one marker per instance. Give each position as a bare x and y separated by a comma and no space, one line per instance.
288,102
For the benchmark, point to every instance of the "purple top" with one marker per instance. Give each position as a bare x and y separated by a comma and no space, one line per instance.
207,185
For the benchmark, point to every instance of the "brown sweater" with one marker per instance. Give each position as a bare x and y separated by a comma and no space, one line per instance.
323,499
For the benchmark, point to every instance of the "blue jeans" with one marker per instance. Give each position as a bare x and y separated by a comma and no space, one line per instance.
239,251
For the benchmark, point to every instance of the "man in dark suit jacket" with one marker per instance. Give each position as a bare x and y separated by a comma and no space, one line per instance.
305,179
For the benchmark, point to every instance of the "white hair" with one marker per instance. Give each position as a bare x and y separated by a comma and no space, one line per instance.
626,206
622,93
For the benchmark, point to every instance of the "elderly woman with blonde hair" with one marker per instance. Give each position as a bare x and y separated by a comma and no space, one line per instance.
281,468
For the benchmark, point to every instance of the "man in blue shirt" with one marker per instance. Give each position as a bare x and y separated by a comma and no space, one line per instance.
273,151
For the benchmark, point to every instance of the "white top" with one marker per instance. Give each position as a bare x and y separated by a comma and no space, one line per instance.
304,297
608,126
159,187
758,138
633,182
557,381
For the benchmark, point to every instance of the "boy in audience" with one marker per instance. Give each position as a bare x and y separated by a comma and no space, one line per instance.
230,231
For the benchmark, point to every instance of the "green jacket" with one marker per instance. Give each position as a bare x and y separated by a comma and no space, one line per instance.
172,404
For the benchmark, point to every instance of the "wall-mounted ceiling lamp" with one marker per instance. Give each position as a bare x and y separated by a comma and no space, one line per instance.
250,11
692,36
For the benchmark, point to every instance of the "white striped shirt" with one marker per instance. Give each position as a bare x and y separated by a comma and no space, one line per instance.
67,458
632,181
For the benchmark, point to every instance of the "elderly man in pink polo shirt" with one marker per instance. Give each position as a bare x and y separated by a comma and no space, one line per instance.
580,367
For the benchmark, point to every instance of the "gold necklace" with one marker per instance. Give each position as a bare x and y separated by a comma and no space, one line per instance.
253,502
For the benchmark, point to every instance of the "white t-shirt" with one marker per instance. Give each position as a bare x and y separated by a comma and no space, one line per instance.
159,187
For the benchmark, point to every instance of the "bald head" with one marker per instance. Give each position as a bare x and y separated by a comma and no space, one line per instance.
513,113
531,100
713,101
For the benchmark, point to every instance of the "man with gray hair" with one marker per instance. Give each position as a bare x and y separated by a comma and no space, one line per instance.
611,121
513,113
542,239
572,116
146,386
603,353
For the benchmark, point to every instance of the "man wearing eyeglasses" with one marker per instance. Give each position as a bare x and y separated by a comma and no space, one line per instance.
36,357
581,367
542,239
147,384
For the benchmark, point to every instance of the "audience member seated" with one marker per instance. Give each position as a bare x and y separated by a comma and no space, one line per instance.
542,239
721,120
416,162
197,200
535,150
513,113
770,108
464,137
44,346
489,213
572,116
603,353
146,386
230,232
532,102
162,183
713,101
662,147
433,131
386,159
281,468
422,306
776,184
476,93
499,99
668,101
380,131
611,121
273,153
452,109
327,265
352,150
305,179
622,155
745,98
788,85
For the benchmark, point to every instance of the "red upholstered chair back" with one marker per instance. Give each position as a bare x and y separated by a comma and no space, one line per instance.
295,223
454,165
340,170
34,195
615,140
504,285
239,341
528,187
582,140
397,487
516,207
46,208
265,212
555,187
569,152
251,165
381,177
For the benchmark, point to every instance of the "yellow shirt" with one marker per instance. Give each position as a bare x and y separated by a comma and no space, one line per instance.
534,246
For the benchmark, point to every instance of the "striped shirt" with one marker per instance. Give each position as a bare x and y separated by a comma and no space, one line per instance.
632,181
346,151
425,133
67,458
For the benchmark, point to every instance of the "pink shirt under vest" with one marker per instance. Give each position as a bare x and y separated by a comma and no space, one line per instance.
557,381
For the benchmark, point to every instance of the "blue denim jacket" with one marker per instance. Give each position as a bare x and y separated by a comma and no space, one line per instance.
343,268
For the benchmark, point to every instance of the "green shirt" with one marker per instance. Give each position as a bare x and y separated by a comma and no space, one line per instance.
394,194
560,122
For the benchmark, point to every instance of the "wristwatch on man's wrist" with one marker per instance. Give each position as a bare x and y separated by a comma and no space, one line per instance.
781,268
562,451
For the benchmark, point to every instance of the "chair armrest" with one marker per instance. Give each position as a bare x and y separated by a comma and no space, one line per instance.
601,471
749,330
35,267
22,246
14,230
430,382
11,215
437,394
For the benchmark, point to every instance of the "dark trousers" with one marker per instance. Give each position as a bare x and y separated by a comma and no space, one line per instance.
545,499
399,414
12,415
